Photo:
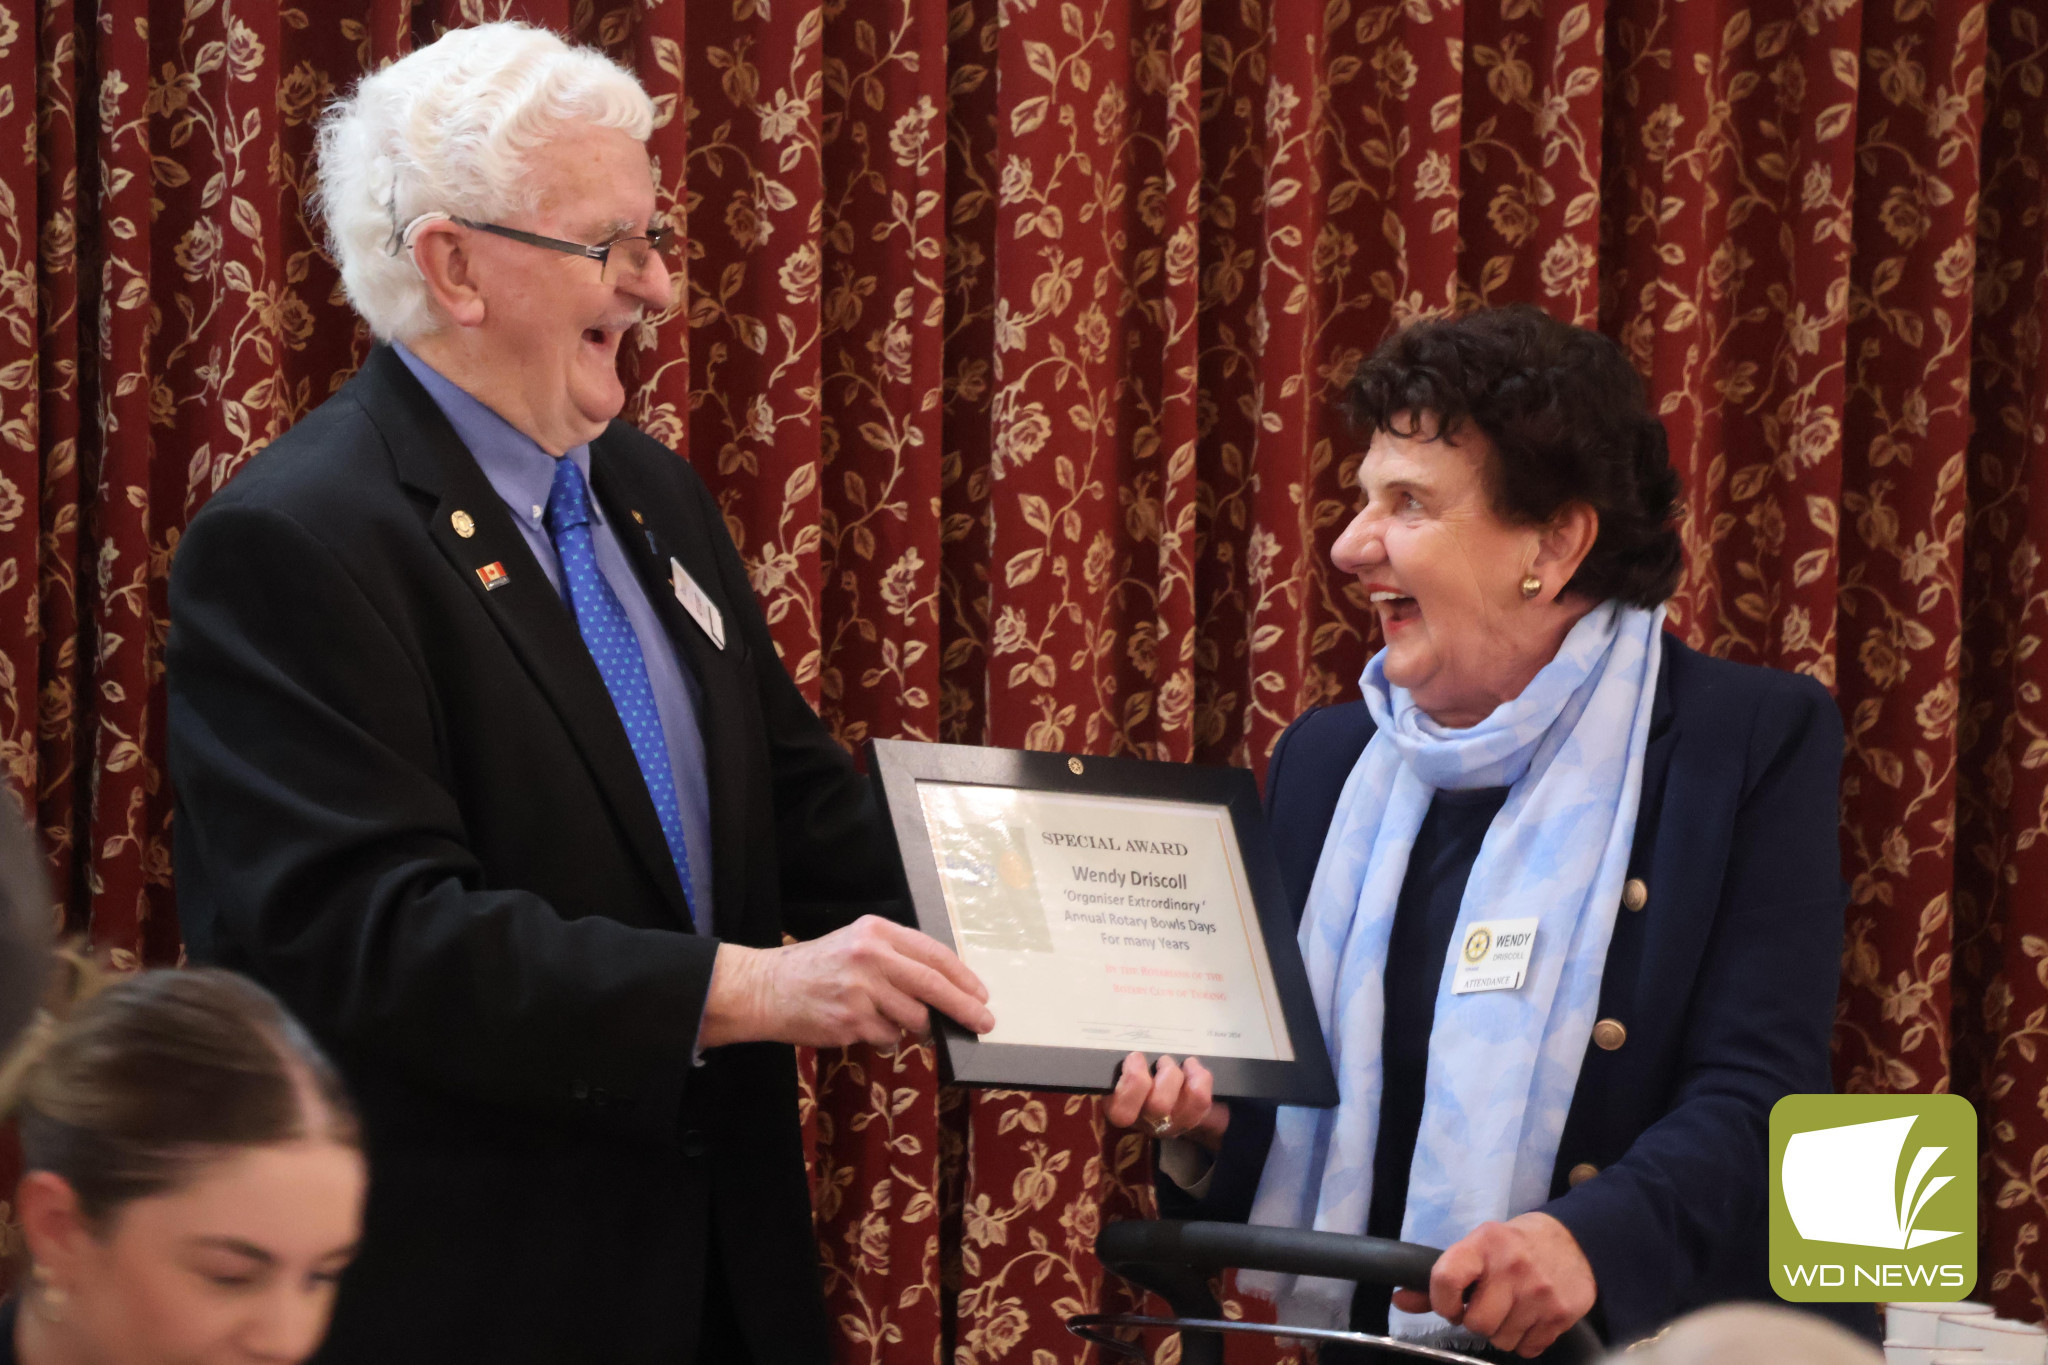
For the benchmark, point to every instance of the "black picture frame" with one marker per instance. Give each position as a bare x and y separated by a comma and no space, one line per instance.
896,767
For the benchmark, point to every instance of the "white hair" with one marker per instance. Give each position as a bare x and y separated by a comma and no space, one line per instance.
447,130
1741,1333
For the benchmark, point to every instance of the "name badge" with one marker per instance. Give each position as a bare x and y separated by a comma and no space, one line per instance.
1494,955
701,608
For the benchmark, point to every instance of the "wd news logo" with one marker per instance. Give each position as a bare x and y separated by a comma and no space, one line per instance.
1873,1197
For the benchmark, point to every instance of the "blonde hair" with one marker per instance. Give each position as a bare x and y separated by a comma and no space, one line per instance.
139,1080
447,130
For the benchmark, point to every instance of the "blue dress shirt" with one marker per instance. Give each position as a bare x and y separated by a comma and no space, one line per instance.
522,473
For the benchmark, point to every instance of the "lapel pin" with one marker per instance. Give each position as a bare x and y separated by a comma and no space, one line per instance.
637,517
493,576
462,523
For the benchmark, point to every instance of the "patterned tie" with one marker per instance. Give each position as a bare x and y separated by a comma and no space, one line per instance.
609,635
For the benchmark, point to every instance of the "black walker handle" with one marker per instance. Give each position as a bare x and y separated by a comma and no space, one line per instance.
1175,1260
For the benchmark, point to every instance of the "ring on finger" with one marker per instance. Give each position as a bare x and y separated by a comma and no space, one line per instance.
1162,1128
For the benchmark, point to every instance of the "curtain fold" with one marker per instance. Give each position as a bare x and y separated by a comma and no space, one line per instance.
1012,340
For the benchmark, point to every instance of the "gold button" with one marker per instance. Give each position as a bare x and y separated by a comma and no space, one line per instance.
1635,894
1609,1034
1074,766
1581,1173
460,520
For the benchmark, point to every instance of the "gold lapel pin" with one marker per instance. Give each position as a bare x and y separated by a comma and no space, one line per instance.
637,517
462,523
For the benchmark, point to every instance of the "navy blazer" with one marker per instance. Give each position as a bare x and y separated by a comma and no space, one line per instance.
1725,981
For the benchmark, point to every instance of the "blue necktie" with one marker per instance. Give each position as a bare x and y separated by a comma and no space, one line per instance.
616,649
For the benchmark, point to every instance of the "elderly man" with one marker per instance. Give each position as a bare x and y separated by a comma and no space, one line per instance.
486,764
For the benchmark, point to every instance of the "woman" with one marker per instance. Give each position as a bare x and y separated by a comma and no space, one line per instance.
1533,753
193,1179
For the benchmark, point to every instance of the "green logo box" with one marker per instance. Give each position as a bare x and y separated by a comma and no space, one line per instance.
1873,1198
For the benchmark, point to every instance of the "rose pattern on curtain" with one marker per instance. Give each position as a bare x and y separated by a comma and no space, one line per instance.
1010,342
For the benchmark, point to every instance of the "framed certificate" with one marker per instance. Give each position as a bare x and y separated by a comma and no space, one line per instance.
1109,904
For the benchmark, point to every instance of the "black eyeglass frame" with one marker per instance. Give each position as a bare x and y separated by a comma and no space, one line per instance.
657,239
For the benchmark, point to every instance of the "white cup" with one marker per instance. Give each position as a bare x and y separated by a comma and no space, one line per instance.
1896,1353
2002,1339
1914,1324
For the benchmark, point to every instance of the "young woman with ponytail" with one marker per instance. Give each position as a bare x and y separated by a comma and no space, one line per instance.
193,1178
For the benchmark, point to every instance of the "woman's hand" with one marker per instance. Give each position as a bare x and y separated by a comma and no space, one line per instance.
1170,1100
1529,1282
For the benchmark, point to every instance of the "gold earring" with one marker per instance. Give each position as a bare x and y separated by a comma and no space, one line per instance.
50,1299
1531,586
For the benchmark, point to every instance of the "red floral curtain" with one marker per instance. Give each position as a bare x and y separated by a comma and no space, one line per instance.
1010,343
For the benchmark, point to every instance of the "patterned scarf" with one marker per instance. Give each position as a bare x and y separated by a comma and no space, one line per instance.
1502,1064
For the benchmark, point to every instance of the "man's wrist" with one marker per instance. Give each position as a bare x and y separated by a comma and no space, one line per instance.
732,1005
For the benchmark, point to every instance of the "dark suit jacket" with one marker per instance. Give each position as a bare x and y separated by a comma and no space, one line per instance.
1725,981
406,804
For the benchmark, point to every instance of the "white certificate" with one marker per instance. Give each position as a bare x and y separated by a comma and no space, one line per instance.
1106,922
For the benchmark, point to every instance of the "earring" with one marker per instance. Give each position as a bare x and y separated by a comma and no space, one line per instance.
1531,586
50,1299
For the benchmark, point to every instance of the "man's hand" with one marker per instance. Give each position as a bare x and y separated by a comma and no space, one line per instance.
867,983
1529,1283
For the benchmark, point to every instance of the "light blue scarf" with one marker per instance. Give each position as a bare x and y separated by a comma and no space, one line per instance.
1502,1064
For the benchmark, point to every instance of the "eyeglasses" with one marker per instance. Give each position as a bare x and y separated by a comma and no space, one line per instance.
618,261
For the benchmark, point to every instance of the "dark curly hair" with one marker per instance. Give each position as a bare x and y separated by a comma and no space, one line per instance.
1567,418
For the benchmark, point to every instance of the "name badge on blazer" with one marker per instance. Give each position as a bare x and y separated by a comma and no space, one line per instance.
1494,955
701,608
